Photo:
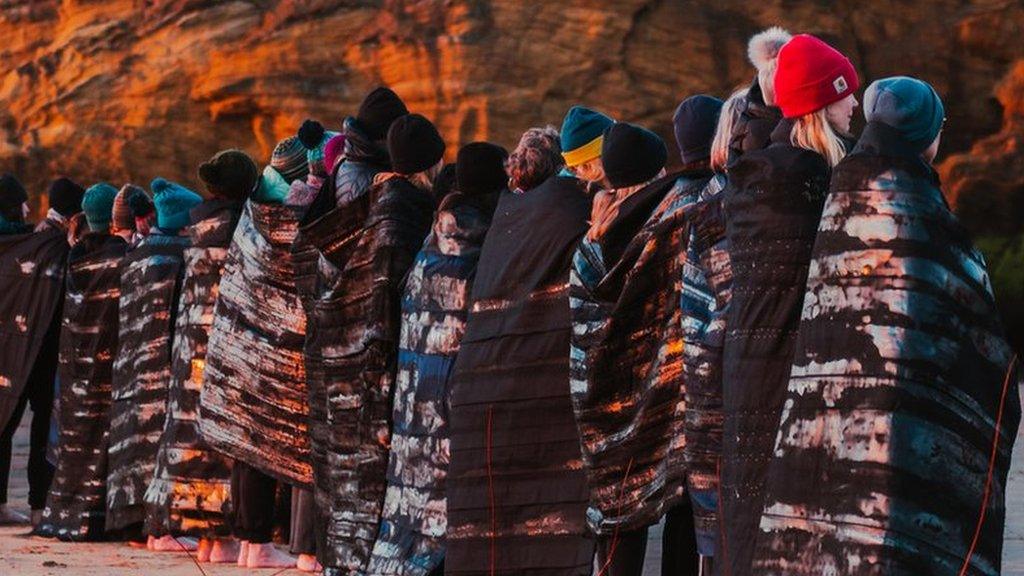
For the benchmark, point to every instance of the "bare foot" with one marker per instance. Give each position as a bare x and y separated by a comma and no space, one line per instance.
243,553
267,556
169,543
138,544
224,551
203,553
9,517
308,563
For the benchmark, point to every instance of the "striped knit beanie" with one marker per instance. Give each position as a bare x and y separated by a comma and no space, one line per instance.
581,135
124,218
289,159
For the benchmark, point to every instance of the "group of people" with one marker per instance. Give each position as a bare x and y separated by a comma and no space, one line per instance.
787,350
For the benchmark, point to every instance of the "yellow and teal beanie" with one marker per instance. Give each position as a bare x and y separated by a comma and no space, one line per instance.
98,206
173,203
581,135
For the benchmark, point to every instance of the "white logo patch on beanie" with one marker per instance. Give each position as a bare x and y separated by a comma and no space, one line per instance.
840,85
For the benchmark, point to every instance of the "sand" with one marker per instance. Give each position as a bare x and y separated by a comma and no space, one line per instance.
23,555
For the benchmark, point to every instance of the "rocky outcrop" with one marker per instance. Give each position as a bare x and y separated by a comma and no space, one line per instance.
130,89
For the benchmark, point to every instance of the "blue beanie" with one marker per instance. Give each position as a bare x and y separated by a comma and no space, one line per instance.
98,206
581,135
173,202
694,124
908,105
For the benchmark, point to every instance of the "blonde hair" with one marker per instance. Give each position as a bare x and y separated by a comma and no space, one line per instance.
813,132
766,80
730,114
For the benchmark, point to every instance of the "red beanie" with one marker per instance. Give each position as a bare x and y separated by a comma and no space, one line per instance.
811,75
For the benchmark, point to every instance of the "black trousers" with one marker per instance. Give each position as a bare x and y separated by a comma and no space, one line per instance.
253,494
38,394
623,555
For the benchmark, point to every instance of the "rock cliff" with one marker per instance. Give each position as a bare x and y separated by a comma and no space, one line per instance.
131,89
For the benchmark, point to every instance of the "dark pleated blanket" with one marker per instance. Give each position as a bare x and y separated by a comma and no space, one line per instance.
900,376
358,319
150,284
253,404
324,242
190,492
517,492
31,287
773,203
411,540
627,356
707,278
76,505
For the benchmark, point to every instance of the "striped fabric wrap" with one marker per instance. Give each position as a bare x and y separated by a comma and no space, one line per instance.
150,284
191,488
517,491
627,357
321,248
31,286
707,277
358,319
253,405
434,308
76,505
902,389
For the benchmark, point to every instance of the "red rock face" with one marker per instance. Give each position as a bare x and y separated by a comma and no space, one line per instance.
127,90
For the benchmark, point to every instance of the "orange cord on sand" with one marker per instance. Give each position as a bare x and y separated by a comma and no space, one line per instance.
991,468
490,490
615,533
191,557
721,525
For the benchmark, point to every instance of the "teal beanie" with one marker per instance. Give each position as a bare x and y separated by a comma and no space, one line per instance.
98,205
908,105
173,202
581,135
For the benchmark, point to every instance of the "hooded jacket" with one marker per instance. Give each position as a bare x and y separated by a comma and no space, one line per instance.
190,492
902,402
753,129
364,159
76,505
411,540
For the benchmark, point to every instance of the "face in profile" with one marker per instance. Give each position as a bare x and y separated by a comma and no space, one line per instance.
840,113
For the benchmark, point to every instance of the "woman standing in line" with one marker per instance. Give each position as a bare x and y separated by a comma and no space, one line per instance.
517,493
772,206
901,413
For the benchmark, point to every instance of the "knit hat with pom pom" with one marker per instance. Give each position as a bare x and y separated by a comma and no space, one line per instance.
314,137
230,174
763,52
173,204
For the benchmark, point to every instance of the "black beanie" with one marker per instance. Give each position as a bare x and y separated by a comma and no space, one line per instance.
695,123
230,174
66,196
12,193
140,204
631,155
379,109
414,144
480,168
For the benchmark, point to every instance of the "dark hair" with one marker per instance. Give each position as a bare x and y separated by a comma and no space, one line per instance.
13,214
536,158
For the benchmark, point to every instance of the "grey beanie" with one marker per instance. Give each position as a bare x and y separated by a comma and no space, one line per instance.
910,106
